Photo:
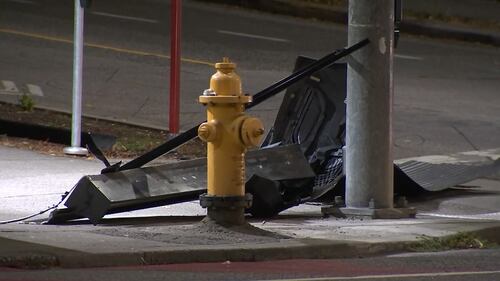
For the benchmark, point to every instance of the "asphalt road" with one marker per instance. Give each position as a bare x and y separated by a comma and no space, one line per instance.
446,92
440,266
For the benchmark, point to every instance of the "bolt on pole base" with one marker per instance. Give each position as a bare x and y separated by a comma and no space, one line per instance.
339,210
75,150
400,211
226,210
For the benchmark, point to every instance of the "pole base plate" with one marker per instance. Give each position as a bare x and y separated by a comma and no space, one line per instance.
382,213
75,150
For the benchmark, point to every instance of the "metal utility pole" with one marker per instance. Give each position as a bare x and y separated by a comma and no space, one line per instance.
369,155
75,148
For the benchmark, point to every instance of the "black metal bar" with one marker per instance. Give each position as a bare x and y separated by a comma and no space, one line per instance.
94,149
257,99
308,70
160,150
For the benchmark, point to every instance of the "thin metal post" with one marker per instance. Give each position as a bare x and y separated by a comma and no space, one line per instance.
76,148
175,62
369,156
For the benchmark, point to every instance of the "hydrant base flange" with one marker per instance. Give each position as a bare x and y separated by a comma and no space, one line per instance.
226,210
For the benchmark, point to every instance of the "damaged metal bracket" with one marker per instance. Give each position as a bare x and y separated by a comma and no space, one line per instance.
98,195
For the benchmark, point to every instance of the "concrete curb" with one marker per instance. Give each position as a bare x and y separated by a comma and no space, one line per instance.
449,32
295,249
108,119
308,10
42,256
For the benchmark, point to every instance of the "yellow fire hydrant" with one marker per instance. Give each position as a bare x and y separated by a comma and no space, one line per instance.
228,133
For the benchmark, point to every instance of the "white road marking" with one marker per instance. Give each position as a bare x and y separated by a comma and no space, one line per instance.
407,57
123,17
254,36
398,276
9,87
485,216
35,90
24,2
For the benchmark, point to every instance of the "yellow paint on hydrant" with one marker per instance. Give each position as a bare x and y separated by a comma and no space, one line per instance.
228,132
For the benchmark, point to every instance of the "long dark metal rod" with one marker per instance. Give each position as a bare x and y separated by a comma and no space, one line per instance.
301,73
257,99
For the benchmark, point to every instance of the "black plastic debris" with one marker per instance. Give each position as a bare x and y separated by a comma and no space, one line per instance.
312,115
439,172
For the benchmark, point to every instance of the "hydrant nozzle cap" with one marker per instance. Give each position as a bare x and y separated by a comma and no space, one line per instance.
225,65
252,131
208,131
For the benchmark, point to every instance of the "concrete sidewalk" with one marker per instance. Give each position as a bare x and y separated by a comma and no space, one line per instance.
174,234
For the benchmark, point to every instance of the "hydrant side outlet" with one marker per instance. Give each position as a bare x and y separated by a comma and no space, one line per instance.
251,132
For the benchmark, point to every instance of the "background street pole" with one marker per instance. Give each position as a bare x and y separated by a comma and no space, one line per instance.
76,148
369,156
175,64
